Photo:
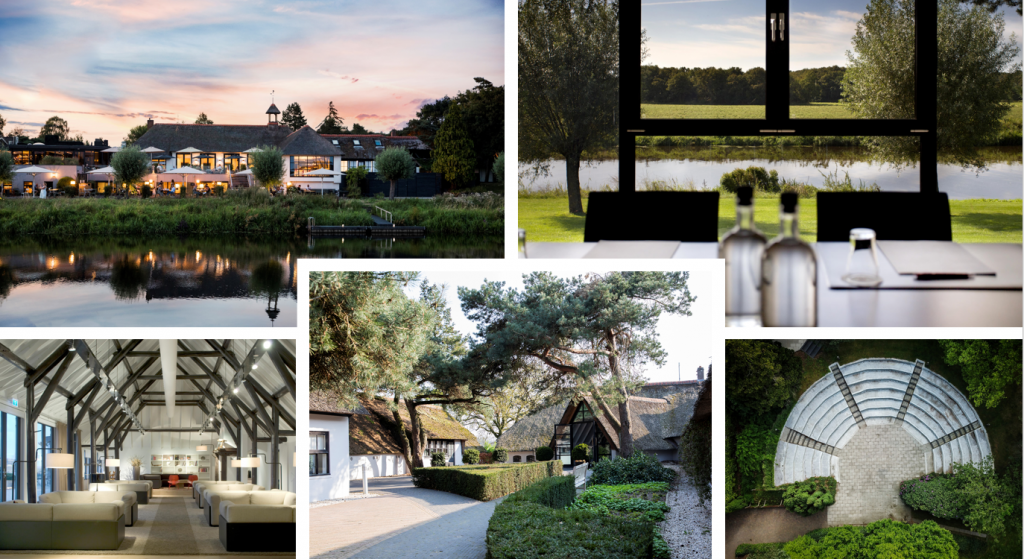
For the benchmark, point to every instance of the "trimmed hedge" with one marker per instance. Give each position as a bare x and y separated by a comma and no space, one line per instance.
638,468
523,527
484,483
544,453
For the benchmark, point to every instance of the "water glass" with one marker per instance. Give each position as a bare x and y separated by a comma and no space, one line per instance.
862,262
522,243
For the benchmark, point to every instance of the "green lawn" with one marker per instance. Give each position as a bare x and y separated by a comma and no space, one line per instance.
974,221
814,110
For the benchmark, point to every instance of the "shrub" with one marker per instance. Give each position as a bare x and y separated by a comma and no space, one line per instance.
147,191
438,459
644,501
471,456
526,530
810,496
499,168
500,455
762,550
353,181
544,453
878,539
64,184
484,483
695,457
639,468
755,456
580,452
754,177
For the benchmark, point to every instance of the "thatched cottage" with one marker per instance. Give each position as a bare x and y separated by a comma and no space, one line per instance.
659,413
370,441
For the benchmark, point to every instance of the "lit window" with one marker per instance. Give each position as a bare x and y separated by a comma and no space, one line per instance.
355,143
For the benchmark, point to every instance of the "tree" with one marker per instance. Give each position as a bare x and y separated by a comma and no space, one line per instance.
2,124
993,5
292,116
55,126
332,123
483,112
203,119
568,82
760,376
394,164
130,165
365,334
988,367
527,392
594,331
353,178
453,150
135,133
499,168
358,129
972,54
6,168
428,120
267,166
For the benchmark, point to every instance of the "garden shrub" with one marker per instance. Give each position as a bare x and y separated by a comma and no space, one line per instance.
660,546
755,456
500,455
486,458
638,468
438,459
974,494
484,483
695,457
65,186
524,526
754,177
762,550
882,539
809,496
580,452
544,453
625,500
471,456
147,191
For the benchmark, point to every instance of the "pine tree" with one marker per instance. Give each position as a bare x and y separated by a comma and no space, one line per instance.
453,153
292,117
332,122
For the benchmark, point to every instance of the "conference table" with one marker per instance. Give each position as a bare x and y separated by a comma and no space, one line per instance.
900,301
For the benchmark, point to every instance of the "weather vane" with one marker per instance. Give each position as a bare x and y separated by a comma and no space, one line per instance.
271,97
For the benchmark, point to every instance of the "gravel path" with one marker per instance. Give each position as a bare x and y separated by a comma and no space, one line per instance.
687,527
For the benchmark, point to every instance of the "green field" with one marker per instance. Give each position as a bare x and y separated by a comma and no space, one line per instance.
974,221
814,110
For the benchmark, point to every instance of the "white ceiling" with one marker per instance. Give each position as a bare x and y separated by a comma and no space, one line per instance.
78,375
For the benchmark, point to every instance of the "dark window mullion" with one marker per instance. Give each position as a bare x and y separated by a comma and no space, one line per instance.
926,109
776,109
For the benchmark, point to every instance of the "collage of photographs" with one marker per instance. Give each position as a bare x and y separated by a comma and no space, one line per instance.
227,226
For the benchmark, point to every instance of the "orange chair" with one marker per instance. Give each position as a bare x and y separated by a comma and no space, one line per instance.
172,481
191,478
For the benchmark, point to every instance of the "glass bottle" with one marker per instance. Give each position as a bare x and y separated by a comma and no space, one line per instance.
742,248
789,274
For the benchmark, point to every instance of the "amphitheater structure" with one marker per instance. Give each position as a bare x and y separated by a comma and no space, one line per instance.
879,392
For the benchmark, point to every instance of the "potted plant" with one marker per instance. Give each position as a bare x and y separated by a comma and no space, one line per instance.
580,453
136,468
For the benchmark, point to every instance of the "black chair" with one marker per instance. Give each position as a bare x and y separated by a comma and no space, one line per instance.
895,216
652,216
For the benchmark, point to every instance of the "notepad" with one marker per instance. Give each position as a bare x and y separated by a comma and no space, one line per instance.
933,259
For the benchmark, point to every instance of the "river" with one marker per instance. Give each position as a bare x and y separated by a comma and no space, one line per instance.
168,282
1002,179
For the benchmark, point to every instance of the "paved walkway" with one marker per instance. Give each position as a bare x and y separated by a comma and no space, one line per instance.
871,467
404,521
768,526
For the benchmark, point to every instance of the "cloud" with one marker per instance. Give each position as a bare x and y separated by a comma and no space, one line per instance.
420,102
679,2
379,117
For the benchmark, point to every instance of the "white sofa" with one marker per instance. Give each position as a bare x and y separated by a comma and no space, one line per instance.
126,500
213,499
265,523
220,487
77,526
143,489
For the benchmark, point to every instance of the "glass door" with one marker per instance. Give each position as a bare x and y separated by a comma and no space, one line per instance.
563,444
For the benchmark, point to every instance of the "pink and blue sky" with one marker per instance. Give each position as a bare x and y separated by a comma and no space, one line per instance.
728,33
108,65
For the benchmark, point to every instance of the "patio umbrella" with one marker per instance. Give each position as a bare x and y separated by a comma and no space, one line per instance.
247,173
113,149
185,171
108,170
33,170
190,150
151,150
323,173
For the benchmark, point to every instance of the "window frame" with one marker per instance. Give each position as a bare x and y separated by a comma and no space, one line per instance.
326,451
14,472
777,121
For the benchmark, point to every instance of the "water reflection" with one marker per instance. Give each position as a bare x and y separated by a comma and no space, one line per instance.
232,281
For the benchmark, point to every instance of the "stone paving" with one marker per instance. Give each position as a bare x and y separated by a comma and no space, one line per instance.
404,521
871,467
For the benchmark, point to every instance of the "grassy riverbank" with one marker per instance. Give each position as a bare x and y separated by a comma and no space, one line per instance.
974,221
243,212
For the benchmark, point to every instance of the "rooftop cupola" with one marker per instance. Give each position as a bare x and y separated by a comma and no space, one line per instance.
272,113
